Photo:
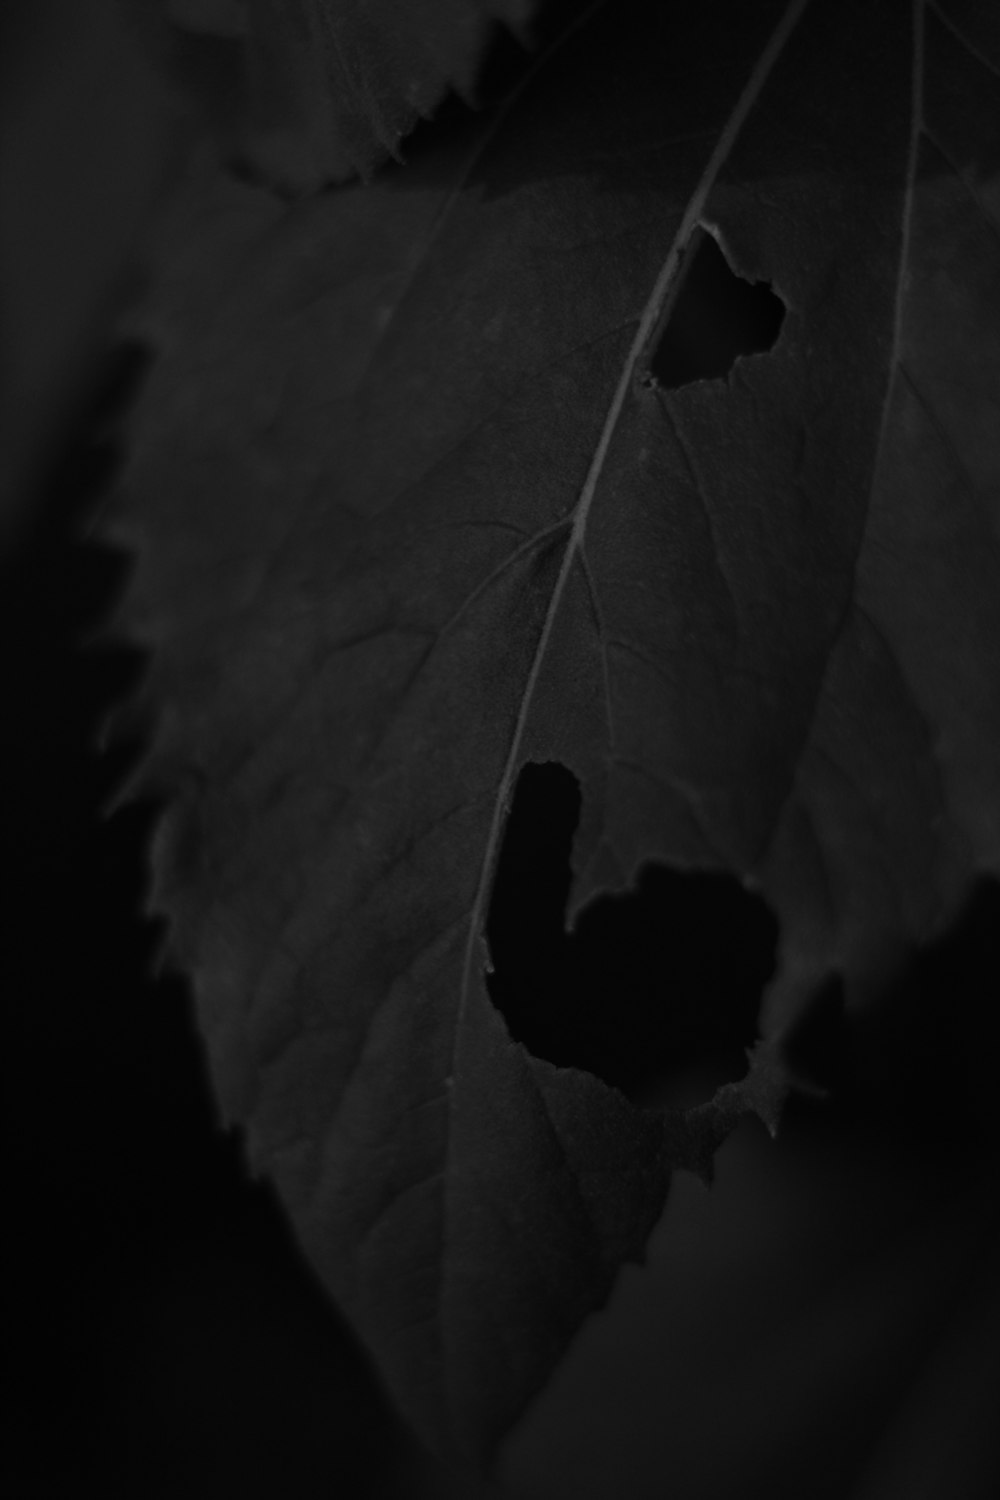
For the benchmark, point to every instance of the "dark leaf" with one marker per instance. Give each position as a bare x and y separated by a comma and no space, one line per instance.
413,509
330,87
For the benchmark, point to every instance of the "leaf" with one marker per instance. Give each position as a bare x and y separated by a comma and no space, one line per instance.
332,86
411,511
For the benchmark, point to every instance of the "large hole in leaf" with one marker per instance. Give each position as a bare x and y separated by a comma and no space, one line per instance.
713,318
656,991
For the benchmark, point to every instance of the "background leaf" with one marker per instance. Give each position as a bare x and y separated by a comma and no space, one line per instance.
75,95
412,511
326,89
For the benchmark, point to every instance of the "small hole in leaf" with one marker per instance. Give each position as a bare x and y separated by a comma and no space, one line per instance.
656,991
713,318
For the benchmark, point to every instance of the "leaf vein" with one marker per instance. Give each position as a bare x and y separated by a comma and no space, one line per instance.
699,490
962,39
602,636
456,192
963,179
406,1190
947,443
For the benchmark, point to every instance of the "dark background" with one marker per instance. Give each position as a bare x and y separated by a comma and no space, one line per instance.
824,1322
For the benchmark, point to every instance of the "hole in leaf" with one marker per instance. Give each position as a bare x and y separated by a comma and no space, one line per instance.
713,317
656,991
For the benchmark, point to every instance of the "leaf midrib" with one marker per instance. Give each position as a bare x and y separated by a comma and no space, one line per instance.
647,324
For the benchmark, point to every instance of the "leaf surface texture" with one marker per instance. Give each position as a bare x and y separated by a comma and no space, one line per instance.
410,511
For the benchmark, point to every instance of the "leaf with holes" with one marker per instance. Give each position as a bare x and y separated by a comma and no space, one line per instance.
329,88
432,483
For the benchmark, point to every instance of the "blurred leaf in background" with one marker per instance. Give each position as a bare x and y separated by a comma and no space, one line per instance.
88,138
